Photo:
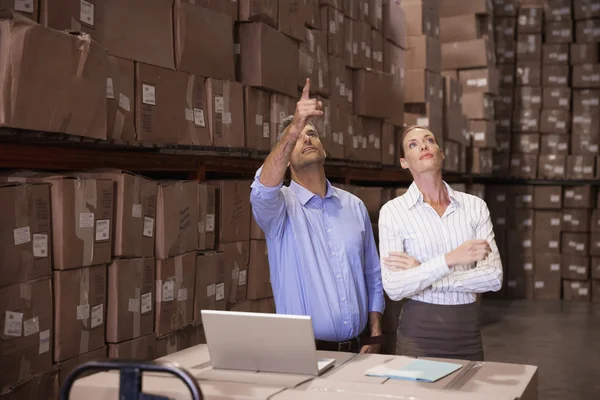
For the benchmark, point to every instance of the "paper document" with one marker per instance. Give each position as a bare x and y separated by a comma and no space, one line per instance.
418,370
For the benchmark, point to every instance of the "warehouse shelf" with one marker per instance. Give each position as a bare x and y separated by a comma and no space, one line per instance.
493,180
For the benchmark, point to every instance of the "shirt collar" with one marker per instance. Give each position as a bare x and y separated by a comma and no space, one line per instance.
416,197
305,195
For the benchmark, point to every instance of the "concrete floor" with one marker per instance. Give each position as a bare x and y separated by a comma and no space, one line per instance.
562,338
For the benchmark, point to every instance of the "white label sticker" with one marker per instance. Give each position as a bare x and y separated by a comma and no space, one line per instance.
342,89
526,243
86,14
148,227
124,102
479,136
86,220
199,117
40,245
391,150
539,284
579,247
282,115
266,130
210,290
227,118
582,270
583,291
332,27
575,285
512,284
553,244
554,267
13,324
219,104
146,302
210,222
31,326
148,94
182,294
555,198
220,291
189,114
258,119
44,342
22,235
83,312
168,291
528,267
242,278
134,305
102,229
97,315
555,221
136,211
527,198
110,89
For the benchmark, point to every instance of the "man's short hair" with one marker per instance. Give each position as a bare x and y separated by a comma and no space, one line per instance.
285,123
406,131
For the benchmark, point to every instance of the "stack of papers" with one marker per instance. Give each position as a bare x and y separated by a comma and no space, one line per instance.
418,370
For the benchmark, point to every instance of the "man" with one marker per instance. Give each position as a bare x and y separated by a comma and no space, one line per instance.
322,253
438,250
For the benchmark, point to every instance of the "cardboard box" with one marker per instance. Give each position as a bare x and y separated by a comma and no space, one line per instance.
524,165
259,282
526,143
558,10
480,80
584,144
503,142
584,53
506,51
530,19
555,121
506,8
586,100
505,29
142,348
595,243
206,216
452,154
332,20
507,74
586,123
552,166
226,112
207,280
42,386
555,54
257,117
576,291
371,100
322,63
548,264
423,87
585,9
266,306
555,76
586,76
263,11
558,32
175,284
423,52
27,338
388,144
478,105
428,115
201,33
520,219
547,242
576,220
25,235
554,144
465,27
448,8
546,287
484,133
477,53
39,54
339,125
596,291
120,98
29,8
365,45
556,99
581,167
527,97
480,161
227,8
595,224
548,221
576,244
281,107
529,47
130,299
579,197
525,120
351,36
236,255
81,293
263,49
291,18
529,73
66,367
587,31
519,287
233,210
420,19
548,197
395,29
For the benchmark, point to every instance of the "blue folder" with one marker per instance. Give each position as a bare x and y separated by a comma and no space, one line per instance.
419,370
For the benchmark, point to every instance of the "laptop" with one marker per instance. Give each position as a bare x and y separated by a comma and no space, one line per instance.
259,342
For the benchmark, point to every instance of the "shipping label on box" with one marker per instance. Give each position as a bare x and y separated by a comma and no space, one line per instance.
559,32
576,291
529,73
555,53
528,97
586,76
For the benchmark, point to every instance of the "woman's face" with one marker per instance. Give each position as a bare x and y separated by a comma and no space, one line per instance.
421,152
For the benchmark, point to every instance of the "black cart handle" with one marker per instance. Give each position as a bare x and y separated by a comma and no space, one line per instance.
131,377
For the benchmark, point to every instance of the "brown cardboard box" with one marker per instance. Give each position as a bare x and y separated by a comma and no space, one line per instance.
528,97
480,161
266,11
587,31
423,52
269,59
281,107
557,10
39,54
332,20
586,123
259,280
480,80
67,366
323,83
555,54
135,212
226,112
503,122
458,28
519,287
256,233
27,8
506,51
595,243
579,197
529,73
555,121
507,74
206,216
585,53
546,287
233,210
388,144
43,386
453,91
547,264
449,8
529,47
548,221
521,264
555,76
478,105
375,14
505,29
452,156
25,234
175,285
120,95
576,220
291,18
338,80
547,242
548,197
119,26
552,166
554,144
351,36
576,244
506,8
596,291
372,198
420,19
428,115
484,133
207,279
354,9
142,348
525,120
236,256
365,45
257,119
586,100
585,9
79,328
584,144
586,76
524,165
423,87
130,299
323,124
26,341
581,167
526,143
576,291
520,219
372,90
522,196
176,218
264,306
503,142
558,32
530,19
477,53
201,33
556,98
394,23
338,127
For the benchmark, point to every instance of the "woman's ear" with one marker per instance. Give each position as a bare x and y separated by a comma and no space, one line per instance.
403,163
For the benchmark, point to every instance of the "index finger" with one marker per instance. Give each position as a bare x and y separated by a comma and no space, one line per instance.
306,90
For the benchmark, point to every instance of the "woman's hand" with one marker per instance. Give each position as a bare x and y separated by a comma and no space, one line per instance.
398,261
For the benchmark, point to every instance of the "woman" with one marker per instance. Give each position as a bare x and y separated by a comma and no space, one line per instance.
437,251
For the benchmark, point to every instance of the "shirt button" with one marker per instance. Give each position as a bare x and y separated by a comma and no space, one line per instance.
329,230
343,299
345,322
334,253
339,276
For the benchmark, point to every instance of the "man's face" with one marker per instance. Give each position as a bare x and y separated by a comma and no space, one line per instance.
308,150
421,152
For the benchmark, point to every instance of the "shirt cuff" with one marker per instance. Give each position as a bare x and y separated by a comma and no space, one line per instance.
377,304
263,191
440,269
